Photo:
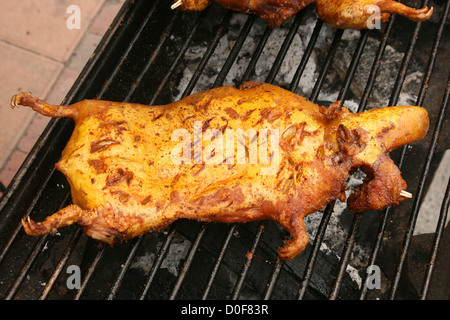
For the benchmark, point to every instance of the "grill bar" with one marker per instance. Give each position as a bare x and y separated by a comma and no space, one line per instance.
329,208
179,56
307,276
6,217
62,262
341,97
151,61
326,65
420,101
128,50
161,85
153,56
358,217
420,190
346,256
158,262
15,286
258,51
273,279
187,263
124,269
405,62
353,65
24,271
248,261
218,82
208,54
301,67
235,51
284,48
187,91
270,79
394,98
434,51
16,231
375,250
314,96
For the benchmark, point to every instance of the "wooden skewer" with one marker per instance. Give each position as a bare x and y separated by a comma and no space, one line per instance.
176,4
405,194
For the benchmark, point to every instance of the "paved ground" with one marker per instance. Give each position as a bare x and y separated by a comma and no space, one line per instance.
41,54
44,44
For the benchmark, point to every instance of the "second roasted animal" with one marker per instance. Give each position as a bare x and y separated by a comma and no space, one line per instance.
341,14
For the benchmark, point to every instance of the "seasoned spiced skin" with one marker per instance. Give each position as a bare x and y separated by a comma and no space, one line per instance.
124,180
341,14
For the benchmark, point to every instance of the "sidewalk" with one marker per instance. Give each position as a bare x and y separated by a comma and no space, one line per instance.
43,47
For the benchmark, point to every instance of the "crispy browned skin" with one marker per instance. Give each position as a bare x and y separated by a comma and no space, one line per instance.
124,181
341,14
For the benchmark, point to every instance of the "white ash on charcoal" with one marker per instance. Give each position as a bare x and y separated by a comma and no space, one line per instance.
385,77
172,263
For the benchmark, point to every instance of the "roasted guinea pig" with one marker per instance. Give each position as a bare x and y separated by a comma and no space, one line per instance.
341,14
223,155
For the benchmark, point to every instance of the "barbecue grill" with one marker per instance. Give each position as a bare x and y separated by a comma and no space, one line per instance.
154,55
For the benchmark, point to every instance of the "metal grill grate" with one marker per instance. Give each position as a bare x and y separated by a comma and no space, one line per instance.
141,59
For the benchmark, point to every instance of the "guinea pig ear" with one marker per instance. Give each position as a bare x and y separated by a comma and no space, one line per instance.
382,187
26,99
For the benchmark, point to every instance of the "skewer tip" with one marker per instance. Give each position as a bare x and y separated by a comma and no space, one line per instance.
405,194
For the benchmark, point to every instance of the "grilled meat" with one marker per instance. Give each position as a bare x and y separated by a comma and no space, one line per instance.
134,168
341,14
